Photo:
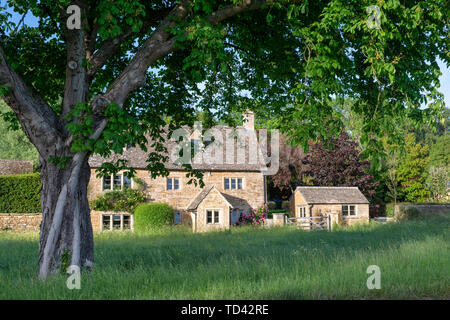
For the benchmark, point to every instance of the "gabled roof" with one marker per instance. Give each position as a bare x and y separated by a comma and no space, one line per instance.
232,201
325,195
137,158
199,198
235,202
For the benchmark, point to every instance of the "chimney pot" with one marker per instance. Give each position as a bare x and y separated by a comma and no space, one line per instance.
249,120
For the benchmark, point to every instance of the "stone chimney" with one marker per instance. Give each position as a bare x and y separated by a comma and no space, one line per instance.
249,120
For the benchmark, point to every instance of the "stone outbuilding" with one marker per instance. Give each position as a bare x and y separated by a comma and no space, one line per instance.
347,205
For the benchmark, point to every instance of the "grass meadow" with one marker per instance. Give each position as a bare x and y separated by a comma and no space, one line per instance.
246,263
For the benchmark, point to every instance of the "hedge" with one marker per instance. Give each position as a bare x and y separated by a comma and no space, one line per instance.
149,215
20,193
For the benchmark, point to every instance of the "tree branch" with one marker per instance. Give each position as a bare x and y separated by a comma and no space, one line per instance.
76,86
159,44
36,117
111,46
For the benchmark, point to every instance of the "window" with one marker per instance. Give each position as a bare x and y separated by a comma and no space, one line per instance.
126,222
107,183
232,183
177,218
302,212
116,222
212,216
116,182
349,210
173,184
126,182
106,222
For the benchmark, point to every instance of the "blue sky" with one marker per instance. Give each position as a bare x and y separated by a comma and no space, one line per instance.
444,79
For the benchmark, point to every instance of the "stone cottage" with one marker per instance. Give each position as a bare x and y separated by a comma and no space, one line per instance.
347,204
232,186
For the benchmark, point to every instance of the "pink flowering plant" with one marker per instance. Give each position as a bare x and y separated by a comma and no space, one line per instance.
256,216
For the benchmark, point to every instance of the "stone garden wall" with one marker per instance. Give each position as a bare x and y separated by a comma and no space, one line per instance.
32,221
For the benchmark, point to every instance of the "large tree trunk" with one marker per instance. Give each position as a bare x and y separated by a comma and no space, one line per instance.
66,223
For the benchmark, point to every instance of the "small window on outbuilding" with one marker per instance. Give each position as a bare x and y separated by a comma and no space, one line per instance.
349,210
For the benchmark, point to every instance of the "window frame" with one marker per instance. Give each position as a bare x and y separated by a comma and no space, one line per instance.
111,222
172,183
233,181
213,216
302,211
348,206
112,185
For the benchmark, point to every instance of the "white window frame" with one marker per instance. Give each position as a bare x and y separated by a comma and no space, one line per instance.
112,182
111,223
302,211
348,210
173,183
219,216
229,183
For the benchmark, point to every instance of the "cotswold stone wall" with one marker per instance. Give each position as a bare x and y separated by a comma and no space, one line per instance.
32,221
424,208
10,166
156,189
20,222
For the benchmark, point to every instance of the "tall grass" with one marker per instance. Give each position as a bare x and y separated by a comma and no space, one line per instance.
245,263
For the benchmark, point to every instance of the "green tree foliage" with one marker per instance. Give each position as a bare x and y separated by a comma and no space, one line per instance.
13,143
150,215
437,182
20,193
412,170
440,152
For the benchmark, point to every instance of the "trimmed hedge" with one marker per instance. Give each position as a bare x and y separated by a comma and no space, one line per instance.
20,193
149,215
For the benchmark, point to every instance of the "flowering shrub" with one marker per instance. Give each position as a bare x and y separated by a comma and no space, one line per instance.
255,217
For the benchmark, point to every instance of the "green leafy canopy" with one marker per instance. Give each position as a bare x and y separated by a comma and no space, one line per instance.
290,60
